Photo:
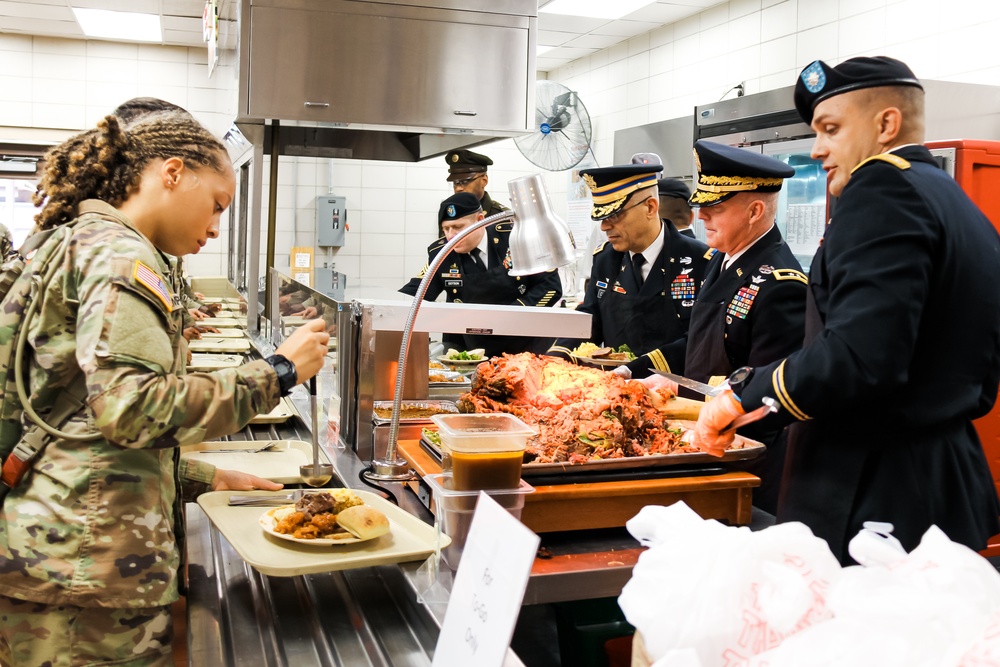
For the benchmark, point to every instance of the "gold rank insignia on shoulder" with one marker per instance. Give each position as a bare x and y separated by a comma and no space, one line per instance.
600,247
151,280
791,274
892,159
711,253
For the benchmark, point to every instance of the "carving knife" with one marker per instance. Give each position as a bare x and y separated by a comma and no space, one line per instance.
694,385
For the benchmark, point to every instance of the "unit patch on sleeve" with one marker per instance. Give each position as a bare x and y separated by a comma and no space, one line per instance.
740,305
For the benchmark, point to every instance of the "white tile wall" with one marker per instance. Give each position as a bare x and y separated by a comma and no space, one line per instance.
58,83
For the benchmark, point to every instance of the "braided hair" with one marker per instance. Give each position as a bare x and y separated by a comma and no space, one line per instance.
107,162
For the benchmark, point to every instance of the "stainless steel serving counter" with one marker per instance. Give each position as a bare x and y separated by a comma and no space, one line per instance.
356,618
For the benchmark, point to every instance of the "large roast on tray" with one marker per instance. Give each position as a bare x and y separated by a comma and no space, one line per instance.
581,413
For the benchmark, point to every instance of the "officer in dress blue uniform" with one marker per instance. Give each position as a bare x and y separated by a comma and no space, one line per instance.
902,347
476,271
751,309
467,173
645,278
674,204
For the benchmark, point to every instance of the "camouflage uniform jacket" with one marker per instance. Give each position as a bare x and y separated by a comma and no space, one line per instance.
92,523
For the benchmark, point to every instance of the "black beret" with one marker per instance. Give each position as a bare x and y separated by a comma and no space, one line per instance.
458,206
464,163
610,187
646,158
724,171
671,187
819,81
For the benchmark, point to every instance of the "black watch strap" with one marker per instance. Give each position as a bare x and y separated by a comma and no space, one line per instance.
739,378
288,377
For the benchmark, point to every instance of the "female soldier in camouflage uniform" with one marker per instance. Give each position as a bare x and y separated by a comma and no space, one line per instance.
88,556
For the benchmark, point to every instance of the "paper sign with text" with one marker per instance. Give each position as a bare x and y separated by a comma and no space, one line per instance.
489,587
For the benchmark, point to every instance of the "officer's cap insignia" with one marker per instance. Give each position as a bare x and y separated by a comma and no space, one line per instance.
454,157
813,77
451,211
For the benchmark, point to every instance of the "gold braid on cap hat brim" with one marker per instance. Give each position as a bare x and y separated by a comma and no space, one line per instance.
736,183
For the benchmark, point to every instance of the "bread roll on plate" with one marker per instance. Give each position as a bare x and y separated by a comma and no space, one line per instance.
363,522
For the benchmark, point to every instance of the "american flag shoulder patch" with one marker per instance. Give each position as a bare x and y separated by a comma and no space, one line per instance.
152,281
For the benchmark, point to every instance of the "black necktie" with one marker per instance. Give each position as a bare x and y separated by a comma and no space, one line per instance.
477,258
637,261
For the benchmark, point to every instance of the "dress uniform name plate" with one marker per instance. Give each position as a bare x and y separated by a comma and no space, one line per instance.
408,539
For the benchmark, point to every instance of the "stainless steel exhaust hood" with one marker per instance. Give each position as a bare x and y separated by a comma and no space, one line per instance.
397,80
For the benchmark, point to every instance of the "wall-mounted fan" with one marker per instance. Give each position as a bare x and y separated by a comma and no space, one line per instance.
562,129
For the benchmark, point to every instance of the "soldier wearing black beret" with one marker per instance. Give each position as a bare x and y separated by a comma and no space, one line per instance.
902,345
476,271
674,205
467,173
645,278
751,309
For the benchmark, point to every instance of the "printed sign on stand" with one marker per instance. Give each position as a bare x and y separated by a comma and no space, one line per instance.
489,587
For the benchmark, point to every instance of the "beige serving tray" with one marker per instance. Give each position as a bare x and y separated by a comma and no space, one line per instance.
280,464
408,539
213,362
281,413
223,333
222,322
219,345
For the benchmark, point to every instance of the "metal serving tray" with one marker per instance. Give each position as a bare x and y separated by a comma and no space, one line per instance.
743,449
444,406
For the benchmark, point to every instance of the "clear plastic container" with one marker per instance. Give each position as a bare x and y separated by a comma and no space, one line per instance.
485,450
453,509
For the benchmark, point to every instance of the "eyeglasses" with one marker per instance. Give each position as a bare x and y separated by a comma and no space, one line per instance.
465,181
615,217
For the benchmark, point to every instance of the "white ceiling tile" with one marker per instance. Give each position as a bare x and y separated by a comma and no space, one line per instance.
135,6
182,38
595,41
560,22
184,23
184,7
703,4
661,13
25,10
625,28
40,26
569,52
554,38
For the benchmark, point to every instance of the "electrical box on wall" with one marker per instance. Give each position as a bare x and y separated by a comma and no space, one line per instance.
331,220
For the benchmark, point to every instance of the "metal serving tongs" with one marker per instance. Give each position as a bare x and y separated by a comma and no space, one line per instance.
267,500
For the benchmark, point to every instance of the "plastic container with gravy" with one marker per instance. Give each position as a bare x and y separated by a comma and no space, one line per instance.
485,450
454,510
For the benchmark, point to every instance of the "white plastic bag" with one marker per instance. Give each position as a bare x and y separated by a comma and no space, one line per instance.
720,593
924,609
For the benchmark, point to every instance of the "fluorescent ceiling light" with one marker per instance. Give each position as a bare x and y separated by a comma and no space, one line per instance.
595,9
128,26
539,49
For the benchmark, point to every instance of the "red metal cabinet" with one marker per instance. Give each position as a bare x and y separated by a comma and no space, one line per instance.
977,170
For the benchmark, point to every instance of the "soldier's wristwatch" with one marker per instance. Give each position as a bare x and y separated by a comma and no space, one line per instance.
739,378
288,377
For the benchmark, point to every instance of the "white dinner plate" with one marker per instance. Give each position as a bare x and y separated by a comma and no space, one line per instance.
601,363
460,362
268,521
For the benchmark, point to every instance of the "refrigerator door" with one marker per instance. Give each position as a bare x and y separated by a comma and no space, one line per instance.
802,206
